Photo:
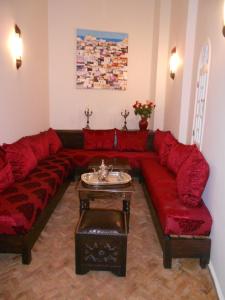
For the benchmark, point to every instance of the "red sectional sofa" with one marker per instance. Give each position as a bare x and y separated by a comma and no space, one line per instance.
36,170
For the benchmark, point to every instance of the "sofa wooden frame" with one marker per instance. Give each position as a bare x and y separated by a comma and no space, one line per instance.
22,244
179,247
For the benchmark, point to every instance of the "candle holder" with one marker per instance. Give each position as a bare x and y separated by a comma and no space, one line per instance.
88,113
125,114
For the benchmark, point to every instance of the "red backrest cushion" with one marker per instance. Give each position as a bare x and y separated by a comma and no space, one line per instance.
132,140
99,139
54,141
21,158
192,178
177,155
158,139
6,177
165,148
2,158
39,144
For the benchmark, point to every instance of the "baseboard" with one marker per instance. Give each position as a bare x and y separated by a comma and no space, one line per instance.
216,282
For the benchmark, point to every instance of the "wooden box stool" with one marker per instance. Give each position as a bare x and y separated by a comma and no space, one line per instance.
101,241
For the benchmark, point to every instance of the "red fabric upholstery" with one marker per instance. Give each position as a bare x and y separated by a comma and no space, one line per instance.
175,218
165,148
177,155
132,140
99,139
159,137
2,157
39,145
192,178
21,158
81,157
21,204
6,177
54,141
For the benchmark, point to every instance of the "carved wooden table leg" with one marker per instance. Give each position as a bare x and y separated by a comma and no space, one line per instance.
126,209
84,205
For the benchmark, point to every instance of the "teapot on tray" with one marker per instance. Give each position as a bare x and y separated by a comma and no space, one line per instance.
103,171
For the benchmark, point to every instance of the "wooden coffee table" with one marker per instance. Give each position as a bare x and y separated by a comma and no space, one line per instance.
119,164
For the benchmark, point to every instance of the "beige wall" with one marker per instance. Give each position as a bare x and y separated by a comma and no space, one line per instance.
67,103
178,24
24,92
209,26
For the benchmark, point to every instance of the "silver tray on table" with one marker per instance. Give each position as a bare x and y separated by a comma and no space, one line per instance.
113,178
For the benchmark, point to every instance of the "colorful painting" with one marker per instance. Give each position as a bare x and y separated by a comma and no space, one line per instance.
102,59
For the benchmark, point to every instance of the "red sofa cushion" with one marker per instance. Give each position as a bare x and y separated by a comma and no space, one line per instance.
54,141
2,158
39,144
175,218
158,139
165,148
132,140
99,139
177,155
21,203
21,158
81,158
6,177
192,178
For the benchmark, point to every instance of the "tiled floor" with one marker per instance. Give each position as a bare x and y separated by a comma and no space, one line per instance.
51,274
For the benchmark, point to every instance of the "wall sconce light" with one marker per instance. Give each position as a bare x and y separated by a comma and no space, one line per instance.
18,47
174,62
224,19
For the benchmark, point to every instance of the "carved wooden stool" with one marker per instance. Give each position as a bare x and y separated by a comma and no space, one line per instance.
101,241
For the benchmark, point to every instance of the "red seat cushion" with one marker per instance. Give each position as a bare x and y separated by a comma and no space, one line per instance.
158,139
6,177
175,218
132,140
192,178
21,158
54,141
99,139
40,145
165,148
177,155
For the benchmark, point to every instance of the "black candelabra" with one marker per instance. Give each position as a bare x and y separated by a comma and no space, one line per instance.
88,113
125,114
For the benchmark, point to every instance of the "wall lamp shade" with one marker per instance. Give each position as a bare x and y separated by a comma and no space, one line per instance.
174,62
18,47
224,19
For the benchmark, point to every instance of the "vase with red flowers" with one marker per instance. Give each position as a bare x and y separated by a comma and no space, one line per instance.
144,110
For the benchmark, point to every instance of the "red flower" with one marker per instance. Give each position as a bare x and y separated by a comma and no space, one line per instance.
144,109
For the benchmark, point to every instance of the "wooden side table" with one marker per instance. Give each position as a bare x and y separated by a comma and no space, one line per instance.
123,192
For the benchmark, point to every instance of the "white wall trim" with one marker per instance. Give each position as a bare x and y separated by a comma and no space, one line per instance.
216,282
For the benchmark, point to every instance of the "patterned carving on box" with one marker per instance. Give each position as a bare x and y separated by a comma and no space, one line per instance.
101,252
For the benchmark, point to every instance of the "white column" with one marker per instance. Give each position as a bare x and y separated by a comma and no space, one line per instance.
162,63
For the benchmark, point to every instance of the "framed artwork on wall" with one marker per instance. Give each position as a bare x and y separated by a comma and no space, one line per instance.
101,59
